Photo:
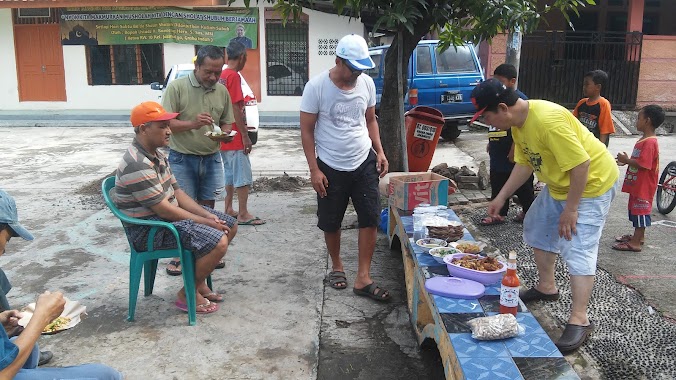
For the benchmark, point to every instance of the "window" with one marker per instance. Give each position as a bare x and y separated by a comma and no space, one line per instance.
456,60
377,57
423,60
287,55
125,64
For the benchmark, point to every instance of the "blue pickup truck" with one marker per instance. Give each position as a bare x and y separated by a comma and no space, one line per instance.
443,80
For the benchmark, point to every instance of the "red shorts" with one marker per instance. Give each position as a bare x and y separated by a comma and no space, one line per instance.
638,206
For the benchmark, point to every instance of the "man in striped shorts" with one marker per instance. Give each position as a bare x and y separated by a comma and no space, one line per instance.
146,188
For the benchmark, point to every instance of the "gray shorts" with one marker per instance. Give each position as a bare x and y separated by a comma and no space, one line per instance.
541,229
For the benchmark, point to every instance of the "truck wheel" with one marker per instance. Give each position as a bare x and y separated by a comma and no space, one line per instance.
450,131
253,136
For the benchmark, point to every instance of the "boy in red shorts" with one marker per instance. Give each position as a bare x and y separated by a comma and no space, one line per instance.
641,178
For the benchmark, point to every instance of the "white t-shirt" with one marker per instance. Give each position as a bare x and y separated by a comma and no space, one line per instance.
341,137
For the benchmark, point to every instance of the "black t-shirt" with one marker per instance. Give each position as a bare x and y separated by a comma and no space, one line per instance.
499,145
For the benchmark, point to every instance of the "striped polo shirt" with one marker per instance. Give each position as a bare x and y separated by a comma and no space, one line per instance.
143,180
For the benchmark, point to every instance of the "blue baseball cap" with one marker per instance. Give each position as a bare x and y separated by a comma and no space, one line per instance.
9,216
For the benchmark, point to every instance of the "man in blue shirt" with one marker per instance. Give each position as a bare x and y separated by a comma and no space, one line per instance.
19,356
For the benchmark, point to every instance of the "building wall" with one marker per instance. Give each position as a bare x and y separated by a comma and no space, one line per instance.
656,84
80,95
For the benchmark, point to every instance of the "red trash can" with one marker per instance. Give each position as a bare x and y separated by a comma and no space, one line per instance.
423,127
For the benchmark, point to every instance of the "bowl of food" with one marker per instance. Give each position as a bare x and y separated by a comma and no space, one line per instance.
428,243
467,246
441,252
486,270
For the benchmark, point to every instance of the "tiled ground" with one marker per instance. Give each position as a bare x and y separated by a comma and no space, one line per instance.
530,355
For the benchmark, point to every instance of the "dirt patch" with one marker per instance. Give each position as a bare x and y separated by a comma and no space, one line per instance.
90,194
283,183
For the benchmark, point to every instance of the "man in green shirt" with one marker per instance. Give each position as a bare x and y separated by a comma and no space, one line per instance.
202,104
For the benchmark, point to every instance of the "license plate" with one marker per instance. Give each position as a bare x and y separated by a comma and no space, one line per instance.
451,98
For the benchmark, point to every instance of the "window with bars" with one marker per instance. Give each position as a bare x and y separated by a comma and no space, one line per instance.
125,64
287,55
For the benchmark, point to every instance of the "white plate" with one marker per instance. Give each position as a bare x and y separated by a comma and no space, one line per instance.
480,244
72,310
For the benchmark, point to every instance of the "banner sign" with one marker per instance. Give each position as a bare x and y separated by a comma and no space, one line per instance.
131,26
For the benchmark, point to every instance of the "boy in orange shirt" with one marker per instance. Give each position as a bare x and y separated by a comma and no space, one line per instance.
641,178
593,110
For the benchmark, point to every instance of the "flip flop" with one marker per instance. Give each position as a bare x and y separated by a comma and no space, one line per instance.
625,247
490,221
256,221
174,272
373,291
220,265
213,297
625,238
206,308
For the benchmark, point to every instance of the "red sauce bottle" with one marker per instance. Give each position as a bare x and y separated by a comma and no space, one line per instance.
509,291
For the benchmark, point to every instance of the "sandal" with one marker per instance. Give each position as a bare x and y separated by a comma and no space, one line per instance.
625,238
519,217
177,265
220,265
625,247
490,220
203,308
336,280
213,297
373,291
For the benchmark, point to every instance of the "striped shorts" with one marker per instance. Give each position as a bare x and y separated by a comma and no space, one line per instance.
198,238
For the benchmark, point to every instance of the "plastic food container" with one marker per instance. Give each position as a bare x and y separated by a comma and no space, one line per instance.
485,278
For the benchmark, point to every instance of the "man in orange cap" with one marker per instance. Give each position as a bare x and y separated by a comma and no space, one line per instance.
146,188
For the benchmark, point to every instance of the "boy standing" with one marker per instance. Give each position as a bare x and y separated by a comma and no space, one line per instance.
235,154
641,178
501,151
593,110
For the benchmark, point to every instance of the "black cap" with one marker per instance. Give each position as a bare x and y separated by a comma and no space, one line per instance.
485,94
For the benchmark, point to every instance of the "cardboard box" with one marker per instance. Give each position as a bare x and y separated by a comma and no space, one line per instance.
408,191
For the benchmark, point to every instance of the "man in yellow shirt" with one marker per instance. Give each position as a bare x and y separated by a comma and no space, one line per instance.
567,217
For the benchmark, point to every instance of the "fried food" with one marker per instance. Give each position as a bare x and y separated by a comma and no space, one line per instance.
483,264
56,324
468,247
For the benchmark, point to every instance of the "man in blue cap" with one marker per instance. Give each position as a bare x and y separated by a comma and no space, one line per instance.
342,146
19,356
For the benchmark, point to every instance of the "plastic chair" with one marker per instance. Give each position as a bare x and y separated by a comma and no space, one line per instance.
146,261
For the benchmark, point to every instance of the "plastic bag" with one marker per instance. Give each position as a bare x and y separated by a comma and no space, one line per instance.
500,326
384,219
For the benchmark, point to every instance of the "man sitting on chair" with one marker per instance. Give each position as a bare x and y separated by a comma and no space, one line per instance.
146,188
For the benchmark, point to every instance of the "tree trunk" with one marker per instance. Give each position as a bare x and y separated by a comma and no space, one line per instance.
514,39
390,103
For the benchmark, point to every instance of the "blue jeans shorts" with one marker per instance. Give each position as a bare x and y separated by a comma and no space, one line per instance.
201,177
237,168
541,229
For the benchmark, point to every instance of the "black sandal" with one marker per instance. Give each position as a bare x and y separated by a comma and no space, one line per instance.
174,272
336,280
373,291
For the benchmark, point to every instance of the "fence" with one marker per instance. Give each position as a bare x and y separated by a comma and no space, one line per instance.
553,65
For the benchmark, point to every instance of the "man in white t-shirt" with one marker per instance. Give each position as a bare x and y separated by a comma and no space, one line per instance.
338,119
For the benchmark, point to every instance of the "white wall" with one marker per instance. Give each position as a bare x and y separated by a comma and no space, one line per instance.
321,25
80,95
9,85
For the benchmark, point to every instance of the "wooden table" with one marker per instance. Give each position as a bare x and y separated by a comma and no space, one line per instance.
531,355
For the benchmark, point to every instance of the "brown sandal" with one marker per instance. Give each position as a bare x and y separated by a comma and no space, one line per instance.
625,247
490,220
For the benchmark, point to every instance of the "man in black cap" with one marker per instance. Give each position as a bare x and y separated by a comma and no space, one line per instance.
567,217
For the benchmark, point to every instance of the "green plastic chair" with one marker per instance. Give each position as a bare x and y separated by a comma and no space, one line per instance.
146,261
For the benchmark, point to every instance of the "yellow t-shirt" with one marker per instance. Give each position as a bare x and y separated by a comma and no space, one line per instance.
552,142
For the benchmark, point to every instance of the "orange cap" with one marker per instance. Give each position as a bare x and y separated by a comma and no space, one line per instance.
149,111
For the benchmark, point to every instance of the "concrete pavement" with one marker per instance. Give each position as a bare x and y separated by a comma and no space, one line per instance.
278,320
